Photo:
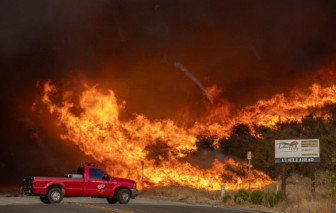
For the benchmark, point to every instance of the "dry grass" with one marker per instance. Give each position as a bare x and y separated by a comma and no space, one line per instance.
11,191
301,200
299,197
183,193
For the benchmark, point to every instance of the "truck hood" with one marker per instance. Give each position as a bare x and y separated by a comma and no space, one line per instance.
124,180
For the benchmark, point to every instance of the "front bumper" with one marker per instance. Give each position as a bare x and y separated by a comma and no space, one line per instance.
28,191
134,193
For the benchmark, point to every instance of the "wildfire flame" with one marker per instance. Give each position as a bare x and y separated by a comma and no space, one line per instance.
267,112
122,145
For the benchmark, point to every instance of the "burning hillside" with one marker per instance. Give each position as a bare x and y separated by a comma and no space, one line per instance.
163,58
281,107
93,124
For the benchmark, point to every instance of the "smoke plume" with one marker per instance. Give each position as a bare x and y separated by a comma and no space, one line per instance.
250,50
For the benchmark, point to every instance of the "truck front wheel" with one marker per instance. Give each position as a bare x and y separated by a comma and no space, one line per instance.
44,199
124,196
55,195
112,200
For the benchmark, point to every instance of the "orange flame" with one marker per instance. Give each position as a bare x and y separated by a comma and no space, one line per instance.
122,145
267,112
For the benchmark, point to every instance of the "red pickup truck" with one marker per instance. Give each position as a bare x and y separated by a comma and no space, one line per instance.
90,181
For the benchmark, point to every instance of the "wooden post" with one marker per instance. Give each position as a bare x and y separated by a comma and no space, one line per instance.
250,176
142,164
312,177
283,178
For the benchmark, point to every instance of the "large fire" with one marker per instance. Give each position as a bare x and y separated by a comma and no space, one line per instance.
122,145
280,107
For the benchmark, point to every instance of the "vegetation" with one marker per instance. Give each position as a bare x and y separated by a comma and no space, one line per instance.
270,198
241,196
273,198
226,198
257,197
332,192
260,139
326,178
298,198
280,196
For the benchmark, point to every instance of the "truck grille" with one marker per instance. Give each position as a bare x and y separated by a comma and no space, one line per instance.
28,185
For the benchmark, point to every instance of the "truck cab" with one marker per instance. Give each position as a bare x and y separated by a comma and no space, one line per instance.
90,181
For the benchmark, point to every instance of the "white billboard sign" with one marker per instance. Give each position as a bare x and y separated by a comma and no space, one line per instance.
297,151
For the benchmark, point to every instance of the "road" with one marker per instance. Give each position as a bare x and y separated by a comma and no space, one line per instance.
90,205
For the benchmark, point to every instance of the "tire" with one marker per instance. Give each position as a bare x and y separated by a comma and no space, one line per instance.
124,196
112,200
55,195
44,199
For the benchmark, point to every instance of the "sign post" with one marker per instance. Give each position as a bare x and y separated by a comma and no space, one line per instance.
222,191
249,157
296,151
283,178
312,178
142,164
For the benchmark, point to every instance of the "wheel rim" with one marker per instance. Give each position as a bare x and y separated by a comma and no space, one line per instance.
125,196
55,196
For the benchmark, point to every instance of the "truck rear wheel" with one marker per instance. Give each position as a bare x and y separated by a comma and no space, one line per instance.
44,199
112,200
55,195
124,196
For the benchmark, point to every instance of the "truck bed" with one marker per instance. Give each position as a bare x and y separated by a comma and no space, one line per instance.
72,186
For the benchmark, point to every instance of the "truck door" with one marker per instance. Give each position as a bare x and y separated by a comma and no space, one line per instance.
94,183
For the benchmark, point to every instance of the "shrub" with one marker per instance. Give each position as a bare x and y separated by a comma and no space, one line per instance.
241,196
326,178
270,198
226,198
332,192
280,196
274,198
257,197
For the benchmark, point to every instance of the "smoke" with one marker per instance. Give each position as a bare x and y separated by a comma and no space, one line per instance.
251,50
193,78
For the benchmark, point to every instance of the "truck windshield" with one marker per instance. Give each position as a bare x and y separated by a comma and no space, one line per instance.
96,173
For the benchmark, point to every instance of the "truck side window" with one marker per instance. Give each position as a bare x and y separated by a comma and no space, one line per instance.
80,171
96,173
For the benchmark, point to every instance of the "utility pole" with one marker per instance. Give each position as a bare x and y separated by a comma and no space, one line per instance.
142,164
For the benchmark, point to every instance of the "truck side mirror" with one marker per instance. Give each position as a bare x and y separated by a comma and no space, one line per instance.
105,177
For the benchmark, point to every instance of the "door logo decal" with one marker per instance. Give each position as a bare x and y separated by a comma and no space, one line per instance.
101,186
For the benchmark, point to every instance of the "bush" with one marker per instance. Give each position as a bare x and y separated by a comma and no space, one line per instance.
332,192
274,198
257,197
326,178
226,198
280,196
241,196
270,198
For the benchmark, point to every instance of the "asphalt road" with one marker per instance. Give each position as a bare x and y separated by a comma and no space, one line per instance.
89,205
